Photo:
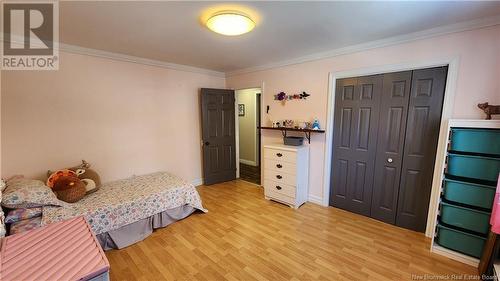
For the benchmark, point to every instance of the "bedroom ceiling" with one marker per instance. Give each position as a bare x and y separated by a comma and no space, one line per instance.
172,31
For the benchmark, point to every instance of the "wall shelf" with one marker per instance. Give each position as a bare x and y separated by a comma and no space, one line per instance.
284,130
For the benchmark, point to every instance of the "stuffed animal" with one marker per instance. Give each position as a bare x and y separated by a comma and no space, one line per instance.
69,188
315,124
489,109
89,177
54,176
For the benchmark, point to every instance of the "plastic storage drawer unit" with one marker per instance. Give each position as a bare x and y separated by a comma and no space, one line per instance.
475,167
472,194
475,140
466,218
460,241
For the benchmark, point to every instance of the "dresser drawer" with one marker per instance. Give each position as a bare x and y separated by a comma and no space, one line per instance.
280,188
279,197
280,166
280,177
281,155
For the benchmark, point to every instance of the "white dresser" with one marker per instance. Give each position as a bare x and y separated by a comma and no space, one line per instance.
286,174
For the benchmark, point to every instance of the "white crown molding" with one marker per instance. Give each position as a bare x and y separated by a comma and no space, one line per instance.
395,40
133,59
67,48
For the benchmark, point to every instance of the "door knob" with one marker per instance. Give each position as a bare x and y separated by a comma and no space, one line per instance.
207,143
389,160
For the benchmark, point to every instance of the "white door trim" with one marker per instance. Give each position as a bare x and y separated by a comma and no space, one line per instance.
448,103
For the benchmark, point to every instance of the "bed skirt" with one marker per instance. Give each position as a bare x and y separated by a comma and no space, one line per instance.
138,231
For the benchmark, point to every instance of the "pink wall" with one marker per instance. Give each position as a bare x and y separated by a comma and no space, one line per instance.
124,118
478,81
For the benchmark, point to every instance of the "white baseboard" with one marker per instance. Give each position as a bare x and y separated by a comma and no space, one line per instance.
197,182
315,199
455,255
248,162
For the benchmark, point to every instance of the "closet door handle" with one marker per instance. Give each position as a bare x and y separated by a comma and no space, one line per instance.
279,176
279,166
279,154
278,187
389,160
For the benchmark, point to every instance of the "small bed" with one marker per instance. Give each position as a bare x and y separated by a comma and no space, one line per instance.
126,211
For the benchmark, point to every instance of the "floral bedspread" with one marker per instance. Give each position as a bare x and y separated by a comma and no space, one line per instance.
126,201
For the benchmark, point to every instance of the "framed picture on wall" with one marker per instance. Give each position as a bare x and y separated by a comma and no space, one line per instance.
241,109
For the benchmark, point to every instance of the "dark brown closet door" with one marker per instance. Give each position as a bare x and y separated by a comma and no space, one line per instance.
391,135
424,118
355,139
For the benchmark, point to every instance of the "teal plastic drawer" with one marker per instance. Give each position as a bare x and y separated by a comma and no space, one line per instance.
466,218
475,167
460,241
472,194
486,141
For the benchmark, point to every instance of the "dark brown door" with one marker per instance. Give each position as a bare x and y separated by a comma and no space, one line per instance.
390,144
219,143
355,140
424,119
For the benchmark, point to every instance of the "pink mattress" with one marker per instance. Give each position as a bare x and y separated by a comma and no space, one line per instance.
67,250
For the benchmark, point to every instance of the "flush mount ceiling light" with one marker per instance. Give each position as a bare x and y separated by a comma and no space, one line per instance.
230,23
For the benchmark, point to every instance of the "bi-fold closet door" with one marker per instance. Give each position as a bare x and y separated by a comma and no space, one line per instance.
385,137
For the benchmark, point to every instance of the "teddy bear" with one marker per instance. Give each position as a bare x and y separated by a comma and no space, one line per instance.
67,186
88,176
69,189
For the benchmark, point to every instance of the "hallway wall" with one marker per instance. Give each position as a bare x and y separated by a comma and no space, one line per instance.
248,126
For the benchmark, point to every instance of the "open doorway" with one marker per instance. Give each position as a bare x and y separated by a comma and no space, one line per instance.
249,112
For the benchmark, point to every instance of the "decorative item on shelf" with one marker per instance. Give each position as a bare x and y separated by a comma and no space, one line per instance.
301,125
315,124
288,123
304,95
277,124
489,109
241,109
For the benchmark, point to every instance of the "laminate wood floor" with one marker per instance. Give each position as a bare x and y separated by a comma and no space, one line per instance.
245,237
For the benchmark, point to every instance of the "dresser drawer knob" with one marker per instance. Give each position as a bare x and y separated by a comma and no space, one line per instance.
278,187
279,166
279,154
279,176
